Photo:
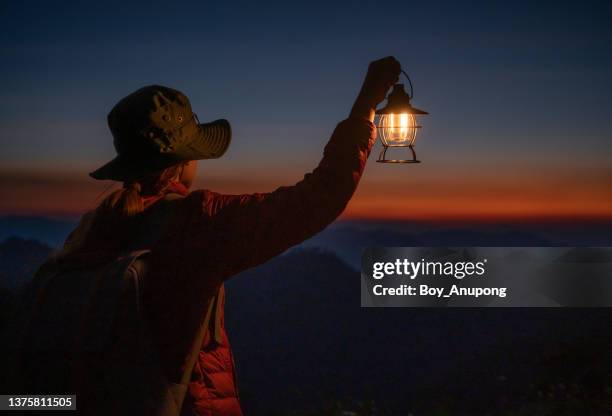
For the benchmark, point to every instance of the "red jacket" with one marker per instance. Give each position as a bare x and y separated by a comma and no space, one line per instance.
208,238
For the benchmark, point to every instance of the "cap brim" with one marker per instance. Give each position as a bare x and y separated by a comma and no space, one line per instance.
210,142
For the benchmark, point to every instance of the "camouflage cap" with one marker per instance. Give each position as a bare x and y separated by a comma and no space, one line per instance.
154,128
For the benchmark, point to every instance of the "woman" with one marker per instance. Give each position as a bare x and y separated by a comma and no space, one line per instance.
199,239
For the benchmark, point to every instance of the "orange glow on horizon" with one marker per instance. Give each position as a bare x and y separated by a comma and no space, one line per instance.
389,194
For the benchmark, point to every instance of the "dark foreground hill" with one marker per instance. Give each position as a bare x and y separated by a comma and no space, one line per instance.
302,343
301,339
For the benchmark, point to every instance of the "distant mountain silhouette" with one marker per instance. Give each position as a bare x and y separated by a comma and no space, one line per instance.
19,259
49,231
348,239
298,330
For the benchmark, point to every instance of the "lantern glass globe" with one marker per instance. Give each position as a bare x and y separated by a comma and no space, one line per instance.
397,129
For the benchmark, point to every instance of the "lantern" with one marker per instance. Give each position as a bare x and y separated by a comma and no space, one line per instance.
396,123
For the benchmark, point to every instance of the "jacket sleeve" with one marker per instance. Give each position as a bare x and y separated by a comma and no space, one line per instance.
212,237
242,231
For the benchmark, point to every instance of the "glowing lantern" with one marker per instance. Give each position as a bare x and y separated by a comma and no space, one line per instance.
396,123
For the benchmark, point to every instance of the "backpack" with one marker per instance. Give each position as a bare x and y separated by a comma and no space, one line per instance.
86,334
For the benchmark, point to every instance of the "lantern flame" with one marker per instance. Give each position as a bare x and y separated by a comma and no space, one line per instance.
403,124
398,129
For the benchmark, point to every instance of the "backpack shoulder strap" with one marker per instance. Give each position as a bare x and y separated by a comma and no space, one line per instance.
171,401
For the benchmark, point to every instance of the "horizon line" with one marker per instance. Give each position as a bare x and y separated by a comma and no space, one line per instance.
450,220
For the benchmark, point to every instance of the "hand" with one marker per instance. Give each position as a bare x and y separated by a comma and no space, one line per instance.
381,76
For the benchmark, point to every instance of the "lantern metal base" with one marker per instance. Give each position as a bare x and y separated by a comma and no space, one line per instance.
382,158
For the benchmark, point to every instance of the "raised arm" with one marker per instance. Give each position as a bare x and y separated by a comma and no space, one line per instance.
250,229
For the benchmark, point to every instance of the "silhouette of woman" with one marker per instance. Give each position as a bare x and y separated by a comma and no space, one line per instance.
199,239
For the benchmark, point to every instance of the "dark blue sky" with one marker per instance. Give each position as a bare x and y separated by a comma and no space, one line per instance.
508,84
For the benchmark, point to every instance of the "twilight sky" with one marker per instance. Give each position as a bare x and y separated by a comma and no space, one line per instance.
519,97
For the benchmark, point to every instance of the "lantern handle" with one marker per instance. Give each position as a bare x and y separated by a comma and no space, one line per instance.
409,83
